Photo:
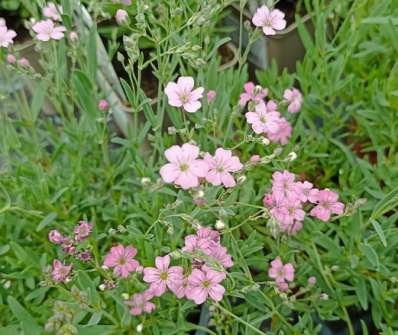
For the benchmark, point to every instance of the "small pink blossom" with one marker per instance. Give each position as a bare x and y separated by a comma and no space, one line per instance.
281,273
68,246
312,280
306,192
294,98
264,119
268,200
326,205
83,230
60,272
220,255
255,159
211,95
181,288
184,168
23,62
252,93
11,59
284,186
121,16
6,36
203,284
182,94
52,11
283,133
46,30
103,105
269,21
54,236
287,212
73,36
140,303
163,276
122,260
220,167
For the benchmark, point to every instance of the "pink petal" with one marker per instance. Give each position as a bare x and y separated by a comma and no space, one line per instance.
197,93
192,106
173,154
216,292
169,172
162,263
151,275
185,83
227,179
187,180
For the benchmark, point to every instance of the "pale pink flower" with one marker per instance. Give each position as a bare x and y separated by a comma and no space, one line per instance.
11,59
6,36
184,168
211,95
283,186
52,11
46,30
140,303
264,119
287,211
255,159
252,93
220,167
54,236
209,234
122,260
269,21
312,280
306,192
121,16
203,284
182,94
60,272
163,276
281,273
180,289
220,255
103,105
83,230
294,99
327,204
283,133
23,62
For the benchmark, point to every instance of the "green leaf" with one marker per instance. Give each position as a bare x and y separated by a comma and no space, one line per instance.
386,204
46,221
29,325
370,254
379,231
92,54
361,292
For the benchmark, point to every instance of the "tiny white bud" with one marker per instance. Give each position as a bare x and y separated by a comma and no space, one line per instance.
200,194
7,284
125,296
324,296
220,224
104,267
102,287
139,328
145,181
171,130
241,179
265,141
291,156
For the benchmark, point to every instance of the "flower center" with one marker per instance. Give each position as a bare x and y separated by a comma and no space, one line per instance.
206,283
220,168
122,261
184,167
184,97
263,119
163,275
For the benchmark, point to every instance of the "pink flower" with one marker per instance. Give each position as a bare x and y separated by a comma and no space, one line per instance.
211,95
68,246
203,284
122,260
121,16
163,276
281,273
182,94
73,36
54,236
255,159
180,289
140,303
287,211
327,204
268,200
83,230
11,59
52,11
283,133
60,272
312,280
184,168
252,93
220,255
220,166
209,234
294,98
23,62
264,119
269,21
283,186
46,30
6,36
103,105
306,192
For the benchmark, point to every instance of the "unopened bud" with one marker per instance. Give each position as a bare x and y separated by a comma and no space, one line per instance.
102,287
265,141
139,328
145,181
291,156
220,224
125,296
241,179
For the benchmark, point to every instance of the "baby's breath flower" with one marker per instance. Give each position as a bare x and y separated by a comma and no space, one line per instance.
220,224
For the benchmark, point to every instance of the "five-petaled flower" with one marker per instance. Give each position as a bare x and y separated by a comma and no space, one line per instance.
121,259
46,30
269,20
182,94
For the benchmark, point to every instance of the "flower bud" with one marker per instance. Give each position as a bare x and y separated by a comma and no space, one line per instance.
220,224
103,105
54,236
121,17
312,280
11,59
125,296
291,156
265,141
73,36
139,328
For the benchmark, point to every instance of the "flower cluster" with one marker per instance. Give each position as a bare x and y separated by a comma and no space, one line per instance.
47,29
288,197
264,116
185,168
70,246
